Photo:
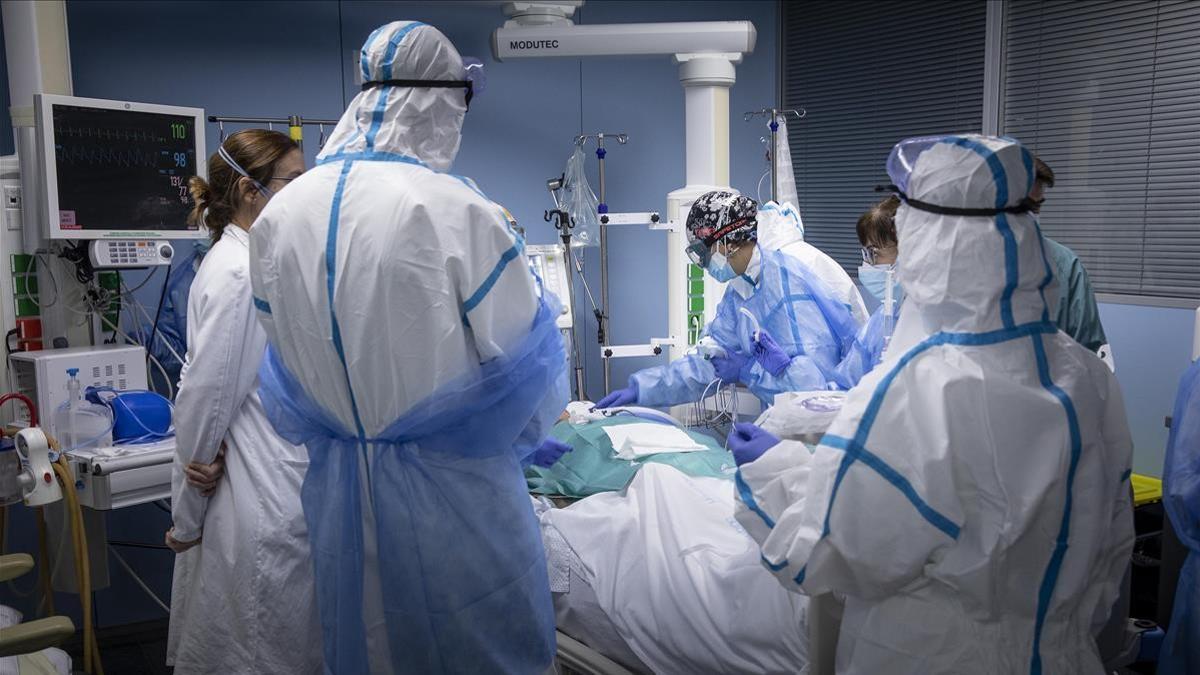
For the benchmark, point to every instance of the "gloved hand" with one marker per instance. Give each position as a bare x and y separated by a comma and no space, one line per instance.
549,452
626,396
748,442
729,367
770,355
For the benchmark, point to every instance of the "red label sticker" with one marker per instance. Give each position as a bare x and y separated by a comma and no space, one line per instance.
66,221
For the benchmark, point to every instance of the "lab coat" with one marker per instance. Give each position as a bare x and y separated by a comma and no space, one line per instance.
243,599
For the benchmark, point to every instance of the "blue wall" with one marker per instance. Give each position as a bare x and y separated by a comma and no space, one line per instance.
519,133
267,58
1151,347
276,59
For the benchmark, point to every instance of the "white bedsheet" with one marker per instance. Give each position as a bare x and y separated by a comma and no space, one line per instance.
642,439
678,578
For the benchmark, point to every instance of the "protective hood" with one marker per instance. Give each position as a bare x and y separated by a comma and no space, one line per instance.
417,122
779,225
971,273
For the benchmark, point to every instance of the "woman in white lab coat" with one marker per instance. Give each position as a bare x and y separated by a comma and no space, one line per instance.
242,598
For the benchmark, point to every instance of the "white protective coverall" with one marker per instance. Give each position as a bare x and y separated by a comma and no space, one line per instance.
780,228
242,601
383,282
972,498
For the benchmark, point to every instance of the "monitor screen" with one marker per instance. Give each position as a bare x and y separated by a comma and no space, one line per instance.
122,171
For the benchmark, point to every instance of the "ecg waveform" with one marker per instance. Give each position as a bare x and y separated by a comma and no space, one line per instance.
105,134
122,157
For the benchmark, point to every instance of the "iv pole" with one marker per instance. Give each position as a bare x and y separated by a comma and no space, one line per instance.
295,125
774,114
564,224
602,329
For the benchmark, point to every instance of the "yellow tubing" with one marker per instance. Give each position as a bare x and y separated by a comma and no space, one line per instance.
44,568
81,576
83,570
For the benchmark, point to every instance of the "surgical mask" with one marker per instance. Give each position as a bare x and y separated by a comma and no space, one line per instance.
719,267
875,278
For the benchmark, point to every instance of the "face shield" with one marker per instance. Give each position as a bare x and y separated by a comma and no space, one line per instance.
903,159
700,250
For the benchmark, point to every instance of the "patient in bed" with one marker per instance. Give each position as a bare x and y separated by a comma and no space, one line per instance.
609,447
662,579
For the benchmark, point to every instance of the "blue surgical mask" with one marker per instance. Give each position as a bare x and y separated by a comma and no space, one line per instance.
719,268
874,279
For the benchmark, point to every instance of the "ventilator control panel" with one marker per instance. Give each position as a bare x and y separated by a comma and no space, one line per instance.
549,263
126,253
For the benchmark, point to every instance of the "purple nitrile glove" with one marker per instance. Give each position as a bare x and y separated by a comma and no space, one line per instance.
748,442
620,397
729,367
549,452
770,355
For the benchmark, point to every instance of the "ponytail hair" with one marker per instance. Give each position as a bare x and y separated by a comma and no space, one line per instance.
215,200
877,227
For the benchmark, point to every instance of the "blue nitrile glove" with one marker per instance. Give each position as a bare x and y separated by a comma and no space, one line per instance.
748,442
729,367
620,397
549,452
770,355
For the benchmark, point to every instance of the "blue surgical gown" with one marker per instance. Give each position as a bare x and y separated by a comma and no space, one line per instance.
867,350
172,319
1181,496
788,301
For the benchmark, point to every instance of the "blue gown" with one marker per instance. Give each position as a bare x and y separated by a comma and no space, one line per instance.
867,350
1181,491
172,321
789,302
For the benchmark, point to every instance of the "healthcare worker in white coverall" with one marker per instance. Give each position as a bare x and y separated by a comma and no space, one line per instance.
972,499
414,353
242,600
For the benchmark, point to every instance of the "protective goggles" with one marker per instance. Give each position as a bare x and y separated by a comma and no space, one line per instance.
700,250
474,81
870,254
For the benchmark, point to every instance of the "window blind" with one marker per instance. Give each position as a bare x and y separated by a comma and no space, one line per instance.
1108,94
869,74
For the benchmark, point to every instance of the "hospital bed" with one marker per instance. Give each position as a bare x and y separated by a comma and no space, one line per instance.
618,613
661,578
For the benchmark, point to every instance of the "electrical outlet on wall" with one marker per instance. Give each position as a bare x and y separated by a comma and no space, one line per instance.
12,207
